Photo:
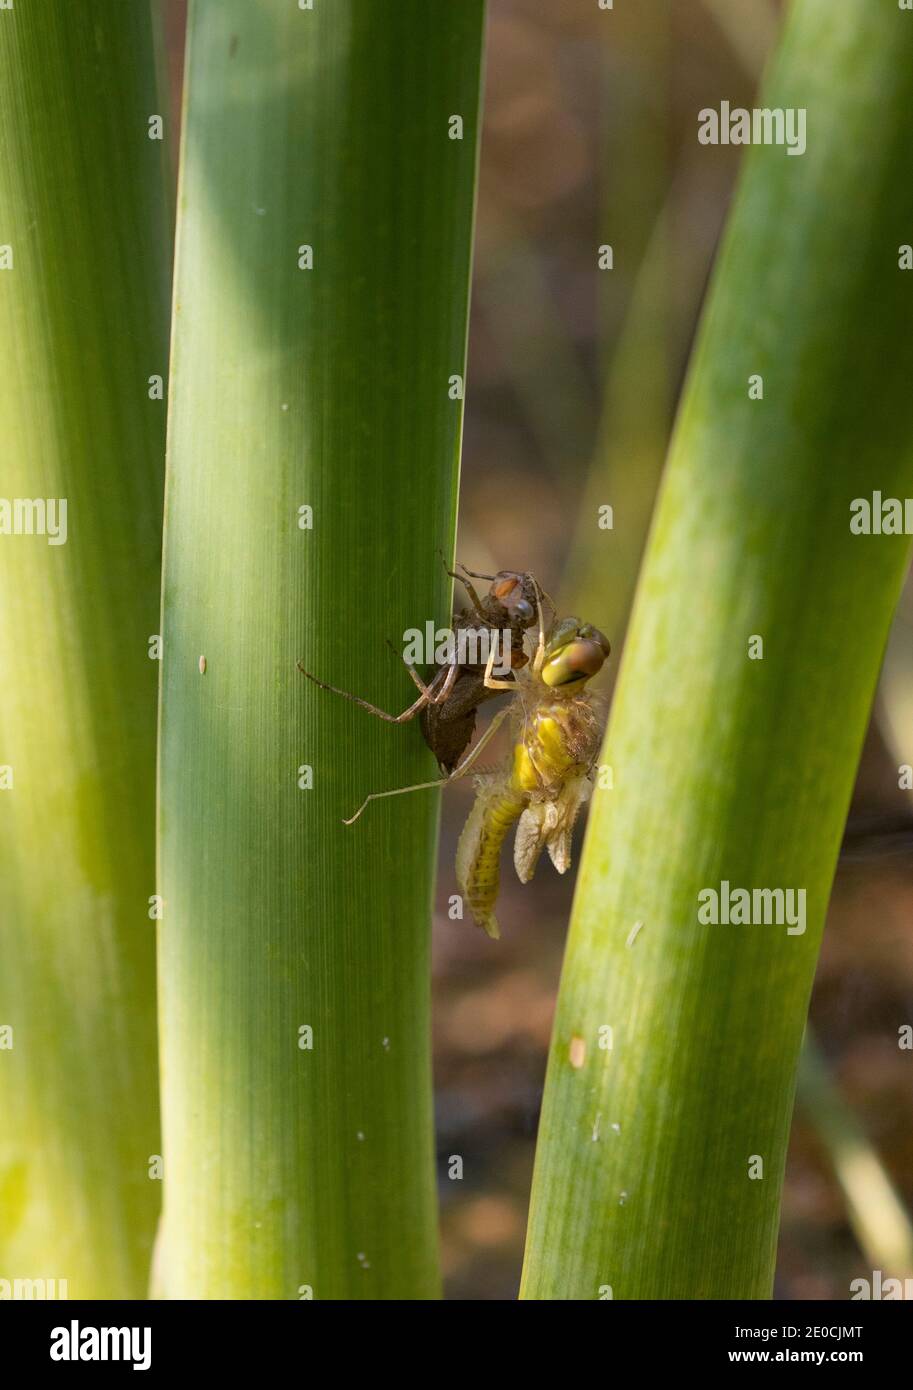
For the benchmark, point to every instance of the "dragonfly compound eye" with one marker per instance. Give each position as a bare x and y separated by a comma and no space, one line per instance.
596,636
574,663
506,587
511,591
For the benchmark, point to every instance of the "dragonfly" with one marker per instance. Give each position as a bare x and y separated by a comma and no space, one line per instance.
546,778
447,704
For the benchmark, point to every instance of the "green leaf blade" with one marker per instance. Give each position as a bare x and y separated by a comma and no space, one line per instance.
84,323
727,768
324,387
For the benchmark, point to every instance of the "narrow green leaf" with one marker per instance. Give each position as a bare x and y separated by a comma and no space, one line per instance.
83,324
295,1170
727,768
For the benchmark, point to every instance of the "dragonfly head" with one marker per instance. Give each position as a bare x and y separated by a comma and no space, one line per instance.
515,593
574,653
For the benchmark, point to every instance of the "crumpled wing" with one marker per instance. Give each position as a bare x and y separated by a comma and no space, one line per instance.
550,825
533,829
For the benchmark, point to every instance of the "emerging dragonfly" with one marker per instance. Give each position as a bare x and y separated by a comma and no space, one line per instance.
547,777
447,704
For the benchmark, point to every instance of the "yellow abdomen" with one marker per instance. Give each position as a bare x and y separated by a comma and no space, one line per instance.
496,809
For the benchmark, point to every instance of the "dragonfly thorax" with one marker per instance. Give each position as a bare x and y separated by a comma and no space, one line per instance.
558,739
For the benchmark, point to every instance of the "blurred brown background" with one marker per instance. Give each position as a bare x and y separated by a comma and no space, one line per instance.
589,138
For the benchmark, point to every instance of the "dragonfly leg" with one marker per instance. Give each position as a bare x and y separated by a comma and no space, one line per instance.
539,659
407,714
459,771
434,697
539,590
473,596
453,671
489,680
471,591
